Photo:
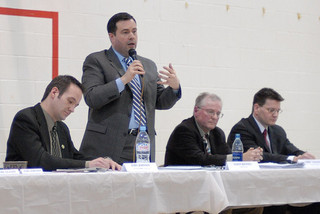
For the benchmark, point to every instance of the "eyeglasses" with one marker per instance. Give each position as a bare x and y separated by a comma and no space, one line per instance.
212,113
273,110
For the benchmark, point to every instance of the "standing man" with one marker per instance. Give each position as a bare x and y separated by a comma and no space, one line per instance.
260,130
198,141
38,135
122,93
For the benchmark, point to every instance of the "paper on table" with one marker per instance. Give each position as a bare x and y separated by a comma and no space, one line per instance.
310,163
181,167
94,169
271,165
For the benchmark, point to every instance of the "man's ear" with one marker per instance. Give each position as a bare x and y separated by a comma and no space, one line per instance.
256,107
54,92
195,110
111,36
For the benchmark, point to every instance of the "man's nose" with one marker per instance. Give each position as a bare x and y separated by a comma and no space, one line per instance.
131,35
72,107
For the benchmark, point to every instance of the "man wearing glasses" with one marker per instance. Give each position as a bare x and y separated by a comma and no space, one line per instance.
198,141
260,130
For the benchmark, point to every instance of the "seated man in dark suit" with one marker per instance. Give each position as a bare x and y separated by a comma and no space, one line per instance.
39,136
260,130
198,141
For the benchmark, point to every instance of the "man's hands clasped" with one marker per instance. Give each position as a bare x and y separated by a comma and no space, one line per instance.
253,154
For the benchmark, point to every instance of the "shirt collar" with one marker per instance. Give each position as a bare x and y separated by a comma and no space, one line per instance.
121,59
49,120
200,130
261,127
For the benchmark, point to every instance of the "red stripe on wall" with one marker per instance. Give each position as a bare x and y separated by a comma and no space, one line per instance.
55,29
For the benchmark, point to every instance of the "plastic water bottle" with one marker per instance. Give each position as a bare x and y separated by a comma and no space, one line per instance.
237,149
143,146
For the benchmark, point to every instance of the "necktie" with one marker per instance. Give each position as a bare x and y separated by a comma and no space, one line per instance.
206,143
265,132
138,104
55,150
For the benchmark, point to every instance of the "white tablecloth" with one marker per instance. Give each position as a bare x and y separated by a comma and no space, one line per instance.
155,192
111,192
270,186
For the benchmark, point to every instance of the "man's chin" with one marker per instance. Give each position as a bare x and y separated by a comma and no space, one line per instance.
212,127
131,47
272,123
63,118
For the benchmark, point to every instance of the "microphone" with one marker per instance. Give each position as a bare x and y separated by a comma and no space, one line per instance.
133,54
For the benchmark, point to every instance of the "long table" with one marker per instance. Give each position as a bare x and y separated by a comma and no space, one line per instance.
166,191
270,186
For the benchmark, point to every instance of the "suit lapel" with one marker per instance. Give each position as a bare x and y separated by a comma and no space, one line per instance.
199,138
62,140
211,141
259,136
43,127
116,64
114,61
272,140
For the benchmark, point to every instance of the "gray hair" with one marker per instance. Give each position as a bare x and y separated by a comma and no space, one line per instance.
205,95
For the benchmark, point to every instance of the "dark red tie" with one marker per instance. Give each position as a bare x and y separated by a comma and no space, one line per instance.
266,139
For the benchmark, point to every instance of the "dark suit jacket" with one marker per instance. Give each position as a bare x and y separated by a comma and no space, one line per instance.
29,140
251,136
110,111
186,147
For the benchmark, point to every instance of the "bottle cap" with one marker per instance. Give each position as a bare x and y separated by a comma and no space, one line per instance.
237,135
143,128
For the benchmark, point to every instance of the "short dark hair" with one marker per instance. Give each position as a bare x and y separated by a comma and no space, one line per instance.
62,82
266,93
112,23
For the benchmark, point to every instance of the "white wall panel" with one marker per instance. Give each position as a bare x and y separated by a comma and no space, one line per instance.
228,47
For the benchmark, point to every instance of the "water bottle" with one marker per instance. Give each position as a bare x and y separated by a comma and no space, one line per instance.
143,146
237,149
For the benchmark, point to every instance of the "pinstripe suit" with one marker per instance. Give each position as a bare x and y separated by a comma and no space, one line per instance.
110,111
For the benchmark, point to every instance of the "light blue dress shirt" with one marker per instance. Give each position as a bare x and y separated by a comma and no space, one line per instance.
132,124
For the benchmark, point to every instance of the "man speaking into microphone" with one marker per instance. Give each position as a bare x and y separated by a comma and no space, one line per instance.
122,90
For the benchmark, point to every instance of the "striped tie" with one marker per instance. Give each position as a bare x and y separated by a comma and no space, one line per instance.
55,149
138,104
206,143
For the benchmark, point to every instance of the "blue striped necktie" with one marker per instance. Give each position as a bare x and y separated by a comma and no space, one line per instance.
138,104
